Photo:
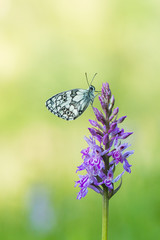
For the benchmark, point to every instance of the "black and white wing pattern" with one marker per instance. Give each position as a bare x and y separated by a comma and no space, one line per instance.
71,104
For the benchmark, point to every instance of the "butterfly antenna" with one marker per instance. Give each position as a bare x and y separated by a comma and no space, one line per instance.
93,78
87,79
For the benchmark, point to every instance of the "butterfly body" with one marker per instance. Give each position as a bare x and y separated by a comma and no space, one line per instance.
71,104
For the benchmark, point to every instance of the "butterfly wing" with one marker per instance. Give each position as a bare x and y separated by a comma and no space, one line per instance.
70,104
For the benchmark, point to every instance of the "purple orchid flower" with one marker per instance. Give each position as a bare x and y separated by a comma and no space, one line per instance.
105,149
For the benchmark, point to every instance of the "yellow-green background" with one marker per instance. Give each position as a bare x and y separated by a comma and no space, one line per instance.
45,48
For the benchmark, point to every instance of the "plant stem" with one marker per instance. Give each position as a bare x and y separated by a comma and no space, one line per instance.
105,209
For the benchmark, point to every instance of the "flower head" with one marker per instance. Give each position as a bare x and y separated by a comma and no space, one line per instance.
105,149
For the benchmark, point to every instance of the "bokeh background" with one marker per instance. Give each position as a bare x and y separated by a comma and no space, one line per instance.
45,48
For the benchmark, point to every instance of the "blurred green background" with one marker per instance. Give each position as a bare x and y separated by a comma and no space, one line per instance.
45,48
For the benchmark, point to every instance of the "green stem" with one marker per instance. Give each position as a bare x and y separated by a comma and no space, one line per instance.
105,209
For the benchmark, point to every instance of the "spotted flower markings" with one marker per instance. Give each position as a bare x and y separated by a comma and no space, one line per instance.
105,149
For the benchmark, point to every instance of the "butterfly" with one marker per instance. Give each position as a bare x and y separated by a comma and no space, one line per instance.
70,104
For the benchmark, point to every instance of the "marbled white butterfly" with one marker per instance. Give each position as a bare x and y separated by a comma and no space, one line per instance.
72,103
